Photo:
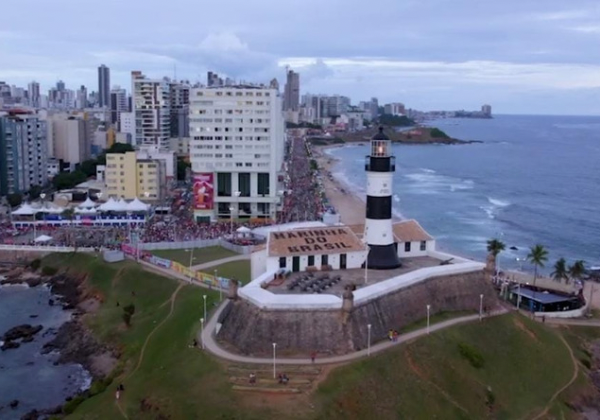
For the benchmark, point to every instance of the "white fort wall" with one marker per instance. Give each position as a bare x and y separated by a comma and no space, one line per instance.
255,293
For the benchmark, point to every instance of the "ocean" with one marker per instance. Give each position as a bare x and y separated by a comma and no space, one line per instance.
534,179
26,374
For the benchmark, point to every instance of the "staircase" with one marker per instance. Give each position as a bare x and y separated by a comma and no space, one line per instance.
301,378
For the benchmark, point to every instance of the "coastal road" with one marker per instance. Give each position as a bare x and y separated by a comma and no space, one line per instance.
207,337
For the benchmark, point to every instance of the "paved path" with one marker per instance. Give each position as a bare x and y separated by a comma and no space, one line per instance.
221,261
207,337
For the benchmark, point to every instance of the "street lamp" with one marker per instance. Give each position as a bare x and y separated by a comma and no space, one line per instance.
204,297
202,332
480,307
190,266
368,339
274,360
428,310
219,286
231,209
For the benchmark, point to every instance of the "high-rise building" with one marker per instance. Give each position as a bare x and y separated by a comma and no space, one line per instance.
236,150
374,108
129,177
103,86
151,108
82,98
213,79
179,102
291,96
118,103
486,110
23,152
69,138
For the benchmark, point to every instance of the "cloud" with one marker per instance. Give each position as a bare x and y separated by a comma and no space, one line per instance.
563,15
587,29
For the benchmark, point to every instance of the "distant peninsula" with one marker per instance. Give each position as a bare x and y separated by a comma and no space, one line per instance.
413,135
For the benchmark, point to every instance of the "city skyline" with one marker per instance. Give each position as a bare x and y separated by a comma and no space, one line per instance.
528,58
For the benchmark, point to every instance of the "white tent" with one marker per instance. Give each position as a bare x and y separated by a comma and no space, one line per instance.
25,210
121,205
137,205
87,204
243,229
43,238
110,205
79,210
50,208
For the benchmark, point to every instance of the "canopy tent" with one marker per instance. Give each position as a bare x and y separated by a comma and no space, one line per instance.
87,204
24,210
79,210
43,238
243,229
121,205
50,208
137,205
110,205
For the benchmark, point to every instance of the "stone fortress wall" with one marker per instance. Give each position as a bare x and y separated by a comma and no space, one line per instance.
250,330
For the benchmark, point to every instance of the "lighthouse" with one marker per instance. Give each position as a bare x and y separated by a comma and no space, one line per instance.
379,236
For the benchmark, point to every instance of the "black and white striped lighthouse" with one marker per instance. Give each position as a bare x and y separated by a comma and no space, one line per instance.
380,166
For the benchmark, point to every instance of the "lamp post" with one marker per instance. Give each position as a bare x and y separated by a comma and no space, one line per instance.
231,209
368,339
428,310
202,333
274,360
219,286
190,266
480,307
204,297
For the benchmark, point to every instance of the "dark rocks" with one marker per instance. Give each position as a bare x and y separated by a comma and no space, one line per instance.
14,404
32,415
21,331
9,345
51,302
33,316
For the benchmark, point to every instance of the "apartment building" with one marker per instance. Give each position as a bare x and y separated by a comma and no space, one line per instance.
128,177
151,106
69,138
23,152
236,151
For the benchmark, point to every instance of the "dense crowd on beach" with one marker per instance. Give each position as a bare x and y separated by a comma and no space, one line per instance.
304,200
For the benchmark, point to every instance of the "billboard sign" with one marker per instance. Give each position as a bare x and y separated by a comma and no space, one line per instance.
203,188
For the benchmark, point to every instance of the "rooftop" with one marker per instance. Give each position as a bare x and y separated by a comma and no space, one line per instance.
405,231
354,276
542,297
314,241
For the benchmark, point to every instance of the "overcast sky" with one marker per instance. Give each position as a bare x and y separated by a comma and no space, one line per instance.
520,56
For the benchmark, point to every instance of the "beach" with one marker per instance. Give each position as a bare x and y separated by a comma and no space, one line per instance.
341,195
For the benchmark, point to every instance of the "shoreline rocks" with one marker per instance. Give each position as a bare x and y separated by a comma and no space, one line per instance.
25,333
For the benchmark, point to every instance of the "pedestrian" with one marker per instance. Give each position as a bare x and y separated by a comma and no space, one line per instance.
543,319
391,334
313,356
395,336
118,394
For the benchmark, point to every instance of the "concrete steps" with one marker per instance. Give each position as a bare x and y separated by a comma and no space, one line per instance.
267,390
301,378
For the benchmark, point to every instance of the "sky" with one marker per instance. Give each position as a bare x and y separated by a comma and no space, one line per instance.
520,56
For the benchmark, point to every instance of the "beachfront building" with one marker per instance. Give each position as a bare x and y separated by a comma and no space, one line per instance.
23,152
236,151
129,177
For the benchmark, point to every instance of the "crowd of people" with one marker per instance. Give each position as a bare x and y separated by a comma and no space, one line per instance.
306,201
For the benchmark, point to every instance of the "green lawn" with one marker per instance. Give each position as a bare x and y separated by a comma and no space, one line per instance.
434,319
524,364
178,382
239,270
201,255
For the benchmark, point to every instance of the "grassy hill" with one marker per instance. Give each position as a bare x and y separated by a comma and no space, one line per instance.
418,135
503,368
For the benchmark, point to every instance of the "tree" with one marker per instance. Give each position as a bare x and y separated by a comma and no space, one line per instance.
395,120
34,192
560,271
14,200
538,255
437,133
577,270
88,167
495,247
182,167
68,180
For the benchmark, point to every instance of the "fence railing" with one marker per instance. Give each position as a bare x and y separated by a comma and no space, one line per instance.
200,243
44,248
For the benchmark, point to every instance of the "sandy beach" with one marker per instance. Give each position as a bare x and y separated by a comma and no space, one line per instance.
350,207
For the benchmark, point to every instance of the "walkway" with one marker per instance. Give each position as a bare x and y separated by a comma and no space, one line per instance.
209,264
207,337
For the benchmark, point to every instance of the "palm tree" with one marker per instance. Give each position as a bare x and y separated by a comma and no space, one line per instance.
577,270
560,271
495,247
538,255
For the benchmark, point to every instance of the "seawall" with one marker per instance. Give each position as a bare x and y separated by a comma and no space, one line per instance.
251,331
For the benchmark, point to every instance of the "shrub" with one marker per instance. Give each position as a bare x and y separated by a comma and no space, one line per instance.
49,271
586,363
338,140
127,318
490,398
35,264
99,386
437,133
130,309
473,356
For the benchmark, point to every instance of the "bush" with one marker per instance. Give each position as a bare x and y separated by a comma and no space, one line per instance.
99,386
127,318
490,398
35,264
586,363
437,133
473,356
338,140
49,271
130,309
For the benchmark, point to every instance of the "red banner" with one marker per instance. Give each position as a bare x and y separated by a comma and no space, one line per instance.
203,191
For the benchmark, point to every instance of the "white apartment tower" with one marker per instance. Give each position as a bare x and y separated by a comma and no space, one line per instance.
236,150
150,102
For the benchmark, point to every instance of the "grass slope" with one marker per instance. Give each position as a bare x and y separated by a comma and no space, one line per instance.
176,381
201,255
239,270
524,364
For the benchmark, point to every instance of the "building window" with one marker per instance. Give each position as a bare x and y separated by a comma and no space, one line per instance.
324,259
406,246
423,246
282,262
224,184
311,260
244,184
263,183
